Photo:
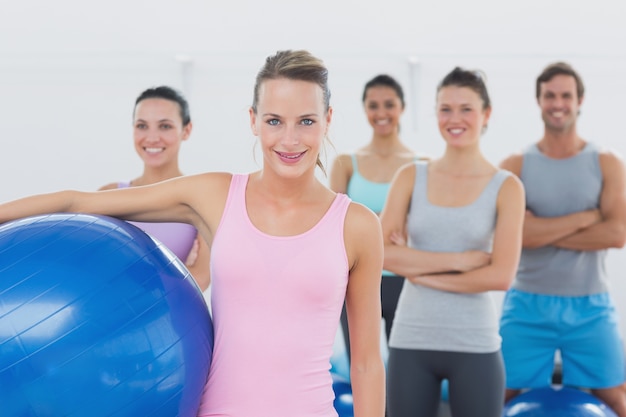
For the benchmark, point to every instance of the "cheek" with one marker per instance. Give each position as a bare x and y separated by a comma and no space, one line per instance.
396,112
476,119
175,137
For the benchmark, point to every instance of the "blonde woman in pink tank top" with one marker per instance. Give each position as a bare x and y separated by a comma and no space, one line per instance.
277,291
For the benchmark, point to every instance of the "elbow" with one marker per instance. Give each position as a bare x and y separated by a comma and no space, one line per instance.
503,285
504,279
617,239
389,259
619,242
387,266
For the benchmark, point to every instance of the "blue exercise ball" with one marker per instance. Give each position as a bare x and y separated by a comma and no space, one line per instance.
343,403
556,401
97,319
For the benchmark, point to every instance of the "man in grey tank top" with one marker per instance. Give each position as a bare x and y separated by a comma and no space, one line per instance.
576,211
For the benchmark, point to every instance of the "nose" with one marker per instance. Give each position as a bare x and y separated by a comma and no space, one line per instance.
152,135
290,135
558,102
454,115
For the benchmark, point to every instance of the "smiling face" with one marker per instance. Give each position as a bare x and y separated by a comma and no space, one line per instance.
461,115
291,123
383,108
158,131
559,103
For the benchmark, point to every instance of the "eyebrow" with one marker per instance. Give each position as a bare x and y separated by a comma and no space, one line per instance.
159,121
302,115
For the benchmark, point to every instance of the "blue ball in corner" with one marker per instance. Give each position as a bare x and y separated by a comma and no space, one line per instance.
97,318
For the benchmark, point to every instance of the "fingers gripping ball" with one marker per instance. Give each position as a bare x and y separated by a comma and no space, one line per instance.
556,402
97,319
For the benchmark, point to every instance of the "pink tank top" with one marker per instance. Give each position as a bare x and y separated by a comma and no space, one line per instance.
276,303
177,237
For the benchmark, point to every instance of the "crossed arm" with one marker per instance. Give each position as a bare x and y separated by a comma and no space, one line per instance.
468,272
601,228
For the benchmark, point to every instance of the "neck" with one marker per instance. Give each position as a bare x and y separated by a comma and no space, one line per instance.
285,189
463,161
560,144
386,145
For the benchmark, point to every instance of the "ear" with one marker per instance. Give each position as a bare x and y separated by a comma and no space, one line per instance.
487,115
187,131
329,118
253,121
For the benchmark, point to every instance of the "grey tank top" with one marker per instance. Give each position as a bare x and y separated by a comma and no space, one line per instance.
439,320
556,187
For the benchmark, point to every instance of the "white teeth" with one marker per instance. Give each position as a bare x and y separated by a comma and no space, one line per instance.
154,150
456,131
557,113
382,122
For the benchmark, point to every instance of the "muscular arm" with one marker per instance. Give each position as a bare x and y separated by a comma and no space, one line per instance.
406,261
507,245
340,174
610,231
365,252
542,231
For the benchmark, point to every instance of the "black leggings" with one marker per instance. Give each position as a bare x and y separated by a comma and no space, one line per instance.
475,383
390,288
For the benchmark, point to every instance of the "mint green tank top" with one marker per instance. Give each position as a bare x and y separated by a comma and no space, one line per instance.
369,193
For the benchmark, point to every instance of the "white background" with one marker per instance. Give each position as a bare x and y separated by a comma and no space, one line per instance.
70,71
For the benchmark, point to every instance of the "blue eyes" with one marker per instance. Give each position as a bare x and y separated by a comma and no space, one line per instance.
276,122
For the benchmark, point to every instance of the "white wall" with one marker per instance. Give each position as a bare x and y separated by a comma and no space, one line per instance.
70,71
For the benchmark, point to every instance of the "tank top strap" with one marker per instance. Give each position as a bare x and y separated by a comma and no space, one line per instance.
235,200
498,179
420,188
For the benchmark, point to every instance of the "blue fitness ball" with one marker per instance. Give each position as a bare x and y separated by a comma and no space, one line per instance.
556,401
343,402
97,319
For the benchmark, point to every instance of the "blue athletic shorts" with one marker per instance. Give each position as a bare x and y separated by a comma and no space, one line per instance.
584,329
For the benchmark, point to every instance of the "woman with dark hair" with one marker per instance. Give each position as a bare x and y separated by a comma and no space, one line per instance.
464,220
365,175
161,123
